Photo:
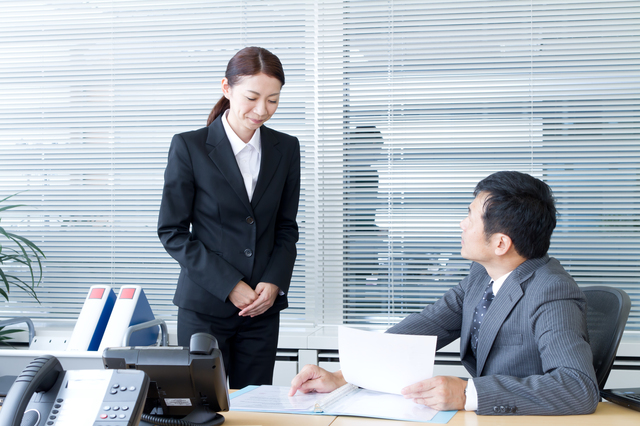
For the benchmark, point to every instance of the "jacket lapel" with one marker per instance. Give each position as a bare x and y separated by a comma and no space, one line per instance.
474,296
509,295
268,164
222,156
500,308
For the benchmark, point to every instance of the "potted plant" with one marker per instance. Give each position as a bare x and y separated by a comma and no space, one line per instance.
18,251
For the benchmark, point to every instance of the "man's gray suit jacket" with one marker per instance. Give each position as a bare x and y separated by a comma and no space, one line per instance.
533,351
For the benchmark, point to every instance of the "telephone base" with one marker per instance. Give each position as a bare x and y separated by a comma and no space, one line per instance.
200,416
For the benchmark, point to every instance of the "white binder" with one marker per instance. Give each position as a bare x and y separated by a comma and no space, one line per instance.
131,308
92,321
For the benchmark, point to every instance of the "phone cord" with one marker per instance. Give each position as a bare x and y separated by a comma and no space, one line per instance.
162,421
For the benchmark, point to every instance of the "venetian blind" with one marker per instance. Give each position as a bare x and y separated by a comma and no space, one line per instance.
419,100
91,93
401,107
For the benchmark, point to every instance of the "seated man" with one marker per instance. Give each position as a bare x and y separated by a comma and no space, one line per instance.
520,317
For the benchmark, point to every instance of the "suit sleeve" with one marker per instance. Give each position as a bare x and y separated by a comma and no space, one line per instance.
442,318
174,221
280,267
568,384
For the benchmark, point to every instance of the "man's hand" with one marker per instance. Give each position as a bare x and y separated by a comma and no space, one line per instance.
315,379
267,294
242,295
439,393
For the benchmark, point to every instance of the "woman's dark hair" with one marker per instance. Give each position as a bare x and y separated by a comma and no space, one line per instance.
522,207
248,61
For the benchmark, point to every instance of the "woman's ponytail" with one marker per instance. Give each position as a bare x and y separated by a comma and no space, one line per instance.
221,106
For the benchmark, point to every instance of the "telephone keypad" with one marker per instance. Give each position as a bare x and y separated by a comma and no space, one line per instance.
115,410
123,392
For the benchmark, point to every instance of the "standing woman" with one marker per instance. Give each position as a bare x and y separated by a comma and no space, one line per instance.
228,216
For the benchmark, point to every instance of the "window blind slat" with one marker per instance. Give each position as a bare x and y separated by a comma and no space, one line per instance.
400,108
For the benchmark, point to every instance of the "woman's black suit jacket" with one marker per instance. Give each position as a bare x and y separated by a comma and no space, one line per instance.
208,225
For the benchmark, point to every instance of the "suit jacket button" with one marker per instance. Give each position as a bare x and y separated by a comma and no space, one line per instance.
249,220
248,252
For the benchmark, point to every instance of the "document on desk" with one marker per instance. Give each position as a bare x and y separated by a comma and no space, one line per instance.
376,366
385,362
351,401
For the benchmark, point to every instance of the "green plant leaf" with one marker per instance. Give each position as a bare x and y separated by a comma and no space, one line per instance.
6,283
23,253
32,246
12,195
10,207
4,333
18,282
25,257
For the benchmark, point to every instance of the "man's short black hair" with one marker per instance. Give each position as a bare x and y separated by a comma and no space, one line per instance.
520,206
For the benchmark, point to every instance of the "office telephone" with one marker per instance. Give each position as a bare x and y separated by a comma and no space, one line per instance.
45,394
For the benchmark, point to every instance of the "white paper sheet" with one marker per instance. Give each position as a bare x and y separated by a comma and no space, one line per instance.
382,406
275,399
361,402
385,362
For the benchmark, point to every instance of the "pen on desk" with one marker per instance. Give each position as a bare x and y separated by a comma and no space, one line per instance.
342,391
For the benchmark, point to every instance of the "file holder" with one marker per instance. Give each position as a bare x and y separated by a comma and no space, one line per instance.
131,309
93,319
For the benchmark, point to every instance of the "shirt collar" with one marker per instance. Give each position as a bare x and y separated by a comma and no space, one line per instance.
498,283
237,144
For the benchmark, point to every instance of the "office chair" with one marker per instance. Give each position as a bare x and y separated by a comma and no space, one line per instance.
607,312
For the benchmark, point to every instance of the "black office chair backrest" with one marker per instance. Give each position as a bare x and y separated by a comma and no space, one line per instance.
607,312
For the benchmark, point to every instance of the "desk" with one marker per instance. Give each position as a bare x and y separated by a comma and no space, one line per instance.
245,418
606,414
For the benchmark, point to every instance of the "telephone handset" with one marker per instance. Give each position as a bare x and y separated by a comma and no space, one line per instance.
44,394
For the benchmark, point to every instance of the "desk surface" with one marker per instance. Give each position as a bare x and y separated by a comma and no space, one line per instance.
244,418
606,414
